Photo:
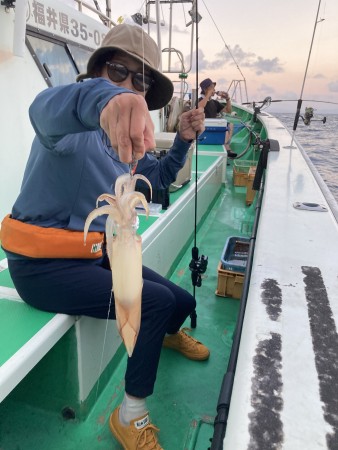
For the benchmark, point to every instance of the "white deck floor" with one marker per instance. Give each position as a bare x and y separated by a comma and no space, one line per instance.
285,392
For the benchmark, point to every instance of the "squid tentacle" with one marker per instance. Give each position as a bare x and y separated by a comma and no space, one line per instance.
106,209
125,183
109,198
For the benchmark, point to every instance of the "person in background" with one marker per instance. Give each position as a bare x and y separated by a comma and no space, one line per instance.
212,108
87,134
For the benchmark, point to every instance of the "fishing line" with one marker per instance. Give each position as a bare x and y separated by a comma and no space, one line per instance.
112,289
184,15
104,344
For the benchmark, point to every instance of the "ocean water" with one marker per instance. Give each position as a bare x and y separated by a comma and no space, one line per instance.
320,141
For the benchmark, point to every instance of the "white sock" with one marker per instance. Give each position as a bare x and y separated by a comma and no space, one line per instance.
131,409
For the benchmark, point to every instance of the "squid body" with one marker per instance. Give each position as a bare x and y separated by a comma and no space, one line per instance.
124,248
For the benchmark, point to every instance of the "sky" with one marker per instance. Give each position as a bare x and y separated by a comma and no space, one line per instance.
265,42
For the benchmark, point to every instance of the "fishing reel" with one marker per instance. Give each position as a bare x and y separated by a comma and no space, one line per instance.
308,116
257,109
262,144
198,266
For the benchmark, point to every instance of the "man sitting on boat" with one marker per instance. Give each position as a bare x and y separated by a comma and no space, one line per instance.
87,134
212,108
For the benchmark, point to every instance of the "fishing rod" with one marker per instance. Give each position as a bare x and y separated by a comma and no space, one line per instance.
288,100
299,103
307,118
198,264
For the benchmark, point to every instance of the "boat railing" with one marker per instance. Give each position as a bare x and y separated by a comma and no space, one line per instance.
105,18
236,91
170,49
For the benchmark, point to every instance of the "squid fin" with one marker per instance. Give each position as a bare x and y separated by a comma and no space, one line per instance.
128,322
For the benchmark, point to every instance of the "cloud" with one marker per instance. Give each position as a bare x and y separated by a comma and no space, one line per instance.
206,65
203,63
237,56
290,95
177,29
319,76
333,86
265,89
262,65
228,55
222,82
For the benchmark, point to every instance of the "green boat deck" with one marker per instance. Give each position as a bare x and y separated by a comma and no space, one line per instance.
186,392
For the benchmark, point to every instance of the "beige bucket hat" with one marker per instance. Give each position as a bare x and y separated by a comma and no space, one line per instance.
133,41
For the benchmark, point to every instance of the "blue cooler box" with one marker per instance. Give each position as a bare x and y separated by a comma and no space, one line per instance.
214,133
235,254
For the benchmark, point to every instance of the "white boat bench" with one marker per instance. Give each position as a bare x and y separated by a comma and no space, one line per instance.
26,335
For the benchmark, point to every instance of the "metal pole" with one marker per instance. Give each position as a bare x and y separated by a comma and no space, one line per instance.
158,26
20,29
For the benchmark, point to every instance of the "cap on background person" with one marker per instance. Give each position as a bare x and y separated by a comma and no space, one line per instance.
135,42
205,84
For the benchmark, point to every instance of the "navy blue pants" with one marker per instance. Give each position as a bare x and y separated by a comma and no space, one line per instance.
83,287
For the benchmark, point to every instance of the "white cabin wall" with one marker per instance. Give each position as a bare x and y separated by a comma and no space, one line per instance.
20,81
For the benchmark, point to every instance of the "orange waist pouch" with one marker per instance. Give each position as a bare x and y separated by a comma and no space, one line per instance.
39,242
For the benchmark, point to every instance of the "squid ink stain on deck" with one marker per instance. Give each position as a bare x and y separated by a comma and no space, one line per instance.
325,347
266,427
272,298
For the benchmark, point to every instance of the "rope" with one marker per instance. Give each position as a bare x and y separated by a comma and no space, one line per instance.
225,44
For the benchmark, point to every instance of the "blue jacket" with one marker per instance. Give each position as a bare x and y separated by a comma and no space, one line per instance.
72,162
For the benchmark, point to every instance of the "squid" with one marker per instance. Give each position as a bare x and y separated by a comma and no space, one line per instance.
124,249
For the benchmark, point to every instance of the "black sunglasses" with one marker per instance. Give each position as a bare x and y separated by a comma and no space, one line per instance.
118,72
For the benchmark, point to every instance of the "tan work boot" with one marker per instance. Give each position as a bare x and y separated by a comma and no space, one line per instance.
187,345
140,434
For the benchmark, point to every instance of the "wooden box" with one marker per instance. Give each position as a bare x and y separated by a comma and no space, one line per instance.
241,171
250,193
229,284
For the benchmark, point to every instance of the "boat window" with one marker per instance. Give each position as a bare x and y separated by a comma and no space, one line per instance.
55,60
80,56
